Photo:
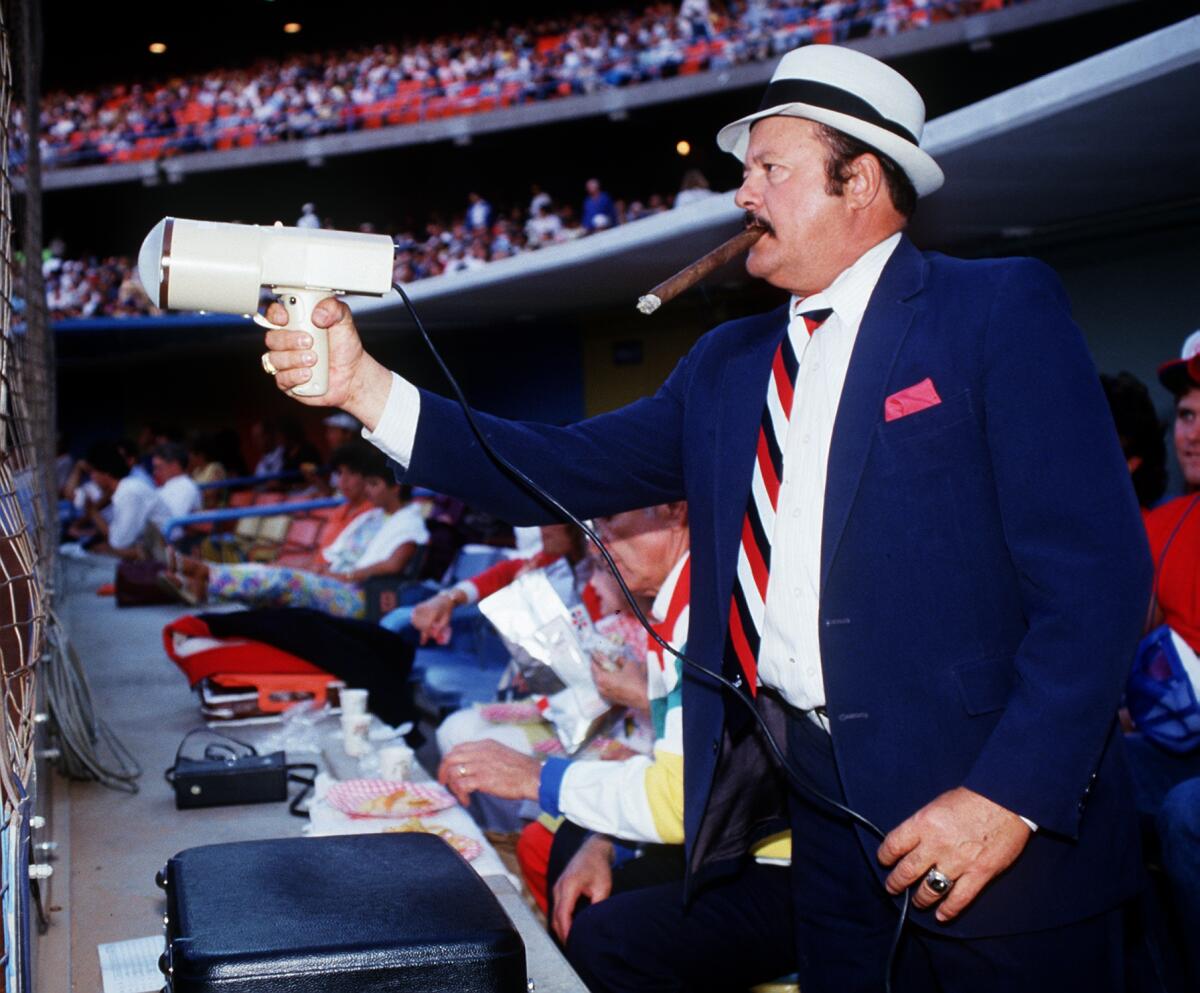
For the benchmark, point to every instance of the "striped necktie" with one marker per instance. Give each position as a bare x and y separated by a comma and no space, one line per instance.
754,553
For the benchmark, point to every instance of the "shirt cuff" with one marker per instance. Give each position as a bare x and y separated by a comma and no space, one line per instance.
468,590
396,432
1028,823
550,785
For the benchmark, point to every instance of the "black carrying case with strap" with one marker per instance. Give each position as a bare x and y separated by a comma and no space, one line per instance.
379,913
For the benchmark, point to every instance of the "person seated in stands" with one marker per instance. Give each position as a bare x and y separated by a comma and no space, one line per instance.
130,499
638,798
205,466
341,429
1168,783
351,464
430,620
178,493
1141,434
380,542
452,524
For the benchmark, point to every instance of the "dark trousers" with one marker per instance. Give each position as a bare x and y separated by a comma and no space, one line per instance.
731,936
657,864
845,921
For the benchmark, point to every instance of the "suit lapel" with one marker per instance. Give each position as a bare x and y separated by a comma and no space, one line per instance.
739,407
884,326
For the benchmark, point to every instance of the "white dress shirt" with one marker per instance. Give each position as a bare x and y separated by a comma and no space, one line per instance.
177,497
789,657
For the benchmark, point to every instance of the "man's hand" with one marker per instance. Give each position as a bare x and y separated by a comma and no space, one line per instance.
357,383
965,836
625,685
431,618
490,767
588,874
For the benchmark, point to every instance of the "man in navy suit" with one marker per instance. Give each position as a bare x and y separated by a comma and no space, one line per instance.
915,546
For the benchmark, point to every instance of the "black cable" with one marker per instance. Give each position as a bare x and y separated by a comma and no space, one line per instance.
734,687
308,782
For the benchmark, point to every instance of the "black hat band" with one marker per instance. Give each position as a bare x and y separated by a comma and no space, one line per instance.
830,98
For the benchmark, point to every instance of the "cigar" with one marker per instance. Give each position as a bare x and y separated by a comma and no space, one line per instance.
685,279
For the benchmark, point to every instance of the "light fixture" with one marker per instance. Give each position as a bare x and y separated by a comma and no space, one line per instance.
157,48
683,147
292,27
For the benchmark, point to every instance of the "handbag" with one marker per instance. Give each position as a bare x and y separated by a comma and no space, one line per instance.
1161,695
137,585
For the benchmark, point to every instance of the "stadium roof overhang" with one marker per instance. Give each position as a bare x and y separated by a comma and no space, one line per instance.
1086,149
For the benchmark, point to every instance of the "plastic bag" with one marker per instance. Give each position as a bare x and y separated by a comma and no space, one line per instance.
546,637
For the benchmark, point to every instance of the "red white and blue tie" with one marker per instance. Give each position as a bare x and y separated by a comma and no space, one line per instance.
746,613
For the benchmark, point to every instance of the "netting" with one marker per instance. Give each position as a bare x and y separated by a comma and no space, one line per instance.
28,506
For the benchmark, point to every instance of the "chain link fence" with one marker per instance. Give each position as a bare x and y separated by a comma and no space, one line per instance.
28,484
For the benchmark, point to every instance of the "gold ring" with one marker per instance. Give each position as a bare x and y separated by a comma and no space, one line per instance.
462,772
268,368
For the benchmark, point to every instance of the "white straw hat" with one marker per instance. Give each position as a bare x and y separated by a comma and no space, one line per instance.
854,93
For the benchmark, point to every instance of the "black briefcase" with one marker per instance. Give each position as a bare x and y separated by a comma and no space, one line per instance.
379,913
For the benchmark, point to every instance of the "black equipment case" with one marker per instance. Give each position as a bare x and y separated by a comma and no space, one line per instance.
378,913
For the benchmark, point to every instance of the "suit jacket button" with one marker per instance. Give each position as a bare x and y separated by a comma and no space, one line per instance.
716,746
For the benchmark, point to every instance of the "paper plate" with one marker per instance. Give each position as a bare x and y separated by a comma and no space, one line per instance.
519,712
467,847
387,798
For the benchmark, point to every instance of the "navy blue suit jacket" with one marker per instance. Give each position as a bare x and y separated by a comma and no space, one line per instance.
984,569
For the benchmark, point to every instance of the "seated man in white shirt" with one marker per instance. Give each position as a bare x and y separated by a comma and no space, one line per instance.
131,501
178,493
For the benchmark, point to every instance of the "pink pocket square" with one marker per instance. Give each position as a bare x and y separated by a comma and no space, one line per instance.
916,398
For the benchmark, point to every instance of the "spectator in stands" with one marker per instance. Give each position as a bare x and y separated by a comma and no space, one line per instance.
635,800
1141,434
1182,378
1167,782
538,198
696,20
479,213
380,542
205,466
132,500
265,437
431,619
204,461
693,188
308,217
178,493
341,429
544,228
314,94
598,209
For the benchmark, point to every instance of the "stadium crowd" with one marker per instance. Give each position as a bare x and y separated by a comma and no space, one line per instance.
316,94
93,286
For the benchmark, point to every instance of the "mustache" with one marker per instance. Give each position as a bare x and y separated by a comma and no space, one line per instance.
752,220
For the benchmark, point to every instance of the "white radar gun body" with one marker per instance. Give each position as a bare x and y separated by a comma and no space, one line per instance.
214,266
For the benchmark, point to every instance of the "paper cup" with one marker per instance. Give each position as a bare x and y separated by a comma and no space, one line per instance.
354,734
395,762
353,701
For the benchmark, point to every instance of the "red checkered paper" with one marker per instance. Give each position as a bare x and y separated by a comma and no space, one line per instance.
387,798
